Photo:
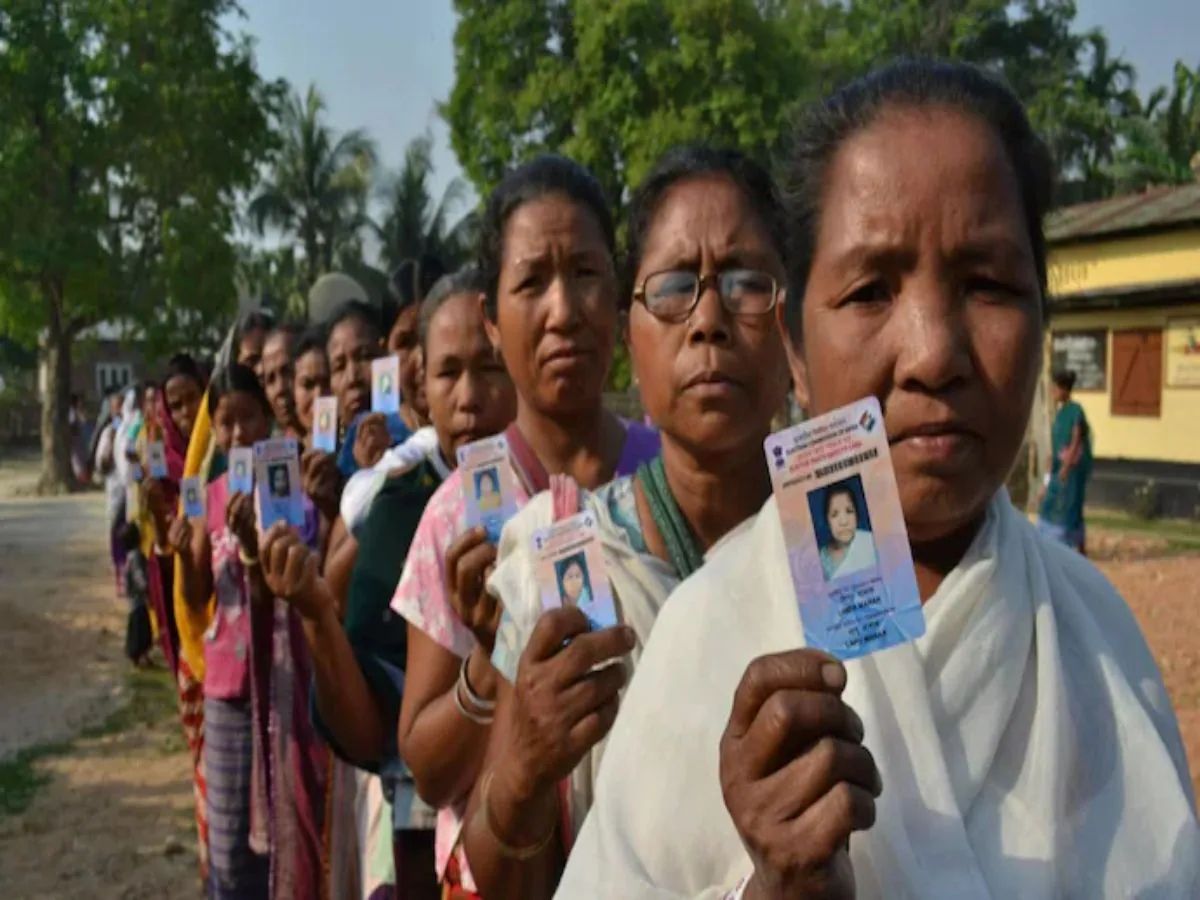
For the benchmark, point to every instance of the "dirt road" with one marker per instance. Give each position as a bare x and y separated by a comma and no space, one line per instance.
113,817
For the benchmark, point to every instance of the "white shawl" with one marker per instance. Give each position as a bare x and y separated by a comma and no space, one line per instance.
1026,743
640,584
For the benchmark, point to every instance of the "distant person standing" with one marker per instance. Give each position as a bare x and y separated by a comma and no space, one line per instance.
81,437
1061,513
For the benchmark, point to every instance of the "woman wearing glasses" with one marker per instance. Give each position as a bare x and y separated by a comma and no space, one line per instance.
704,270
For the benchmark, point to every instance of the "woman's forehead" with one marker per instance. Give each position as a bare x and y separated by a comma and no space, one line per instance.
916,175
542,225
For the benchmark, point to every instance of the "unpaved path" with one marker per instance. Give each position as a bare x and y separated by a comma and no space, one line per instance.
1165,596
114,818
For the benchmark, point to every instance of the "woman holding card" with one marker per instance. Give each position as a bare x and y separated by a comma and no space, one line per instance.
176,410
218,555
547,254
1025,745
359,662
706,245
263,768
310,379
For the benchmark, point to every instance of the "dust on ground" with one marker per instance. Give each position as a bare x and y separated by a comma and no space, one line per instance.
113,816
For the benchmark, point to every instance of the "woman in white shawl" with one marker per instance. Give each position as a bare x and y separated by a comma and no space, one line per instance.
705,270
1025,745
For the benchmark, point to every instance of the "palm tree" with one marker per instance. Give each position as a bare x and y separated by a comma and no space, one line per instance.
1161,146
1108,83
317,189
412,223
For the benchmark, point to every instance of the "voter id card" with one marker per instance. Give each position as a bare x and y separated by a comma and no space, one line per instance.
325,424
488,485
192,491
277,474
241,471
569,569
847,546
385,385
156,459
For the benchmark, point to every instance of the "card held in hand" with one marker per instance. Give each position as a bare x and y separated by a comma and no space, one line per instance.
569,568
488,484
325,424
241,471
385,385
277,474
192,491
847,546
156,459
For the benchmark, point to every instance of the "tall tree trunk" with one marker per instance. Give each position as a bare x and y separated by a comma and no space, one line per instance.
55,363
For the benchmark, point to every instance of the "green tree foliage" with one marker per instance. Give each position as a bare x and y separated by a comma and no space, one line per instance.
317,188
615,83
126,130
412,223
1163,145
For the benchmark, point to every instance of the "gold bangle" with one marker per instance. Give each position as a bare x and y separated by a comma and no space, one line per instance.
248,561
508,851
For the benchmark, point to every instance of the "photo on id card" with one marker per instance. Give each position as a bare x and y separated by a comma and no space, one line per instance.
569,568
325,423
847,546
192,490
277,474
241,471
488,485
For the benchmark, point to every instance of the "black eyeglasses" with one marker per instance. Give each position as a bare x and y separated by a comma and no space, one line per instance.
672,295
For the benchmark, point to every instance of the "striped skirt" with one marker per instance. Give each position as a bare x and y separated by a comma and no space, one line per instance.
235,871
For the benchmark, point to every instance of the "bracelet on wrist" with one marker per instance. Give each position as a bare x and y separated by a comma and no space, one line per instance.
509,851
464,681
479,718
247,560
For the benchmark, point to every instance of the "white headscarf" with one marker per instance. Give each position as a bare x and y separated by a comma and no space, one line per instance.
1026,743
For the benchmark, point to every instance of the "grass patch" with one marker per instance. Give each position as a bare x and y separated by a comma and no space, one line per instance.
150,700
1182,535
20,778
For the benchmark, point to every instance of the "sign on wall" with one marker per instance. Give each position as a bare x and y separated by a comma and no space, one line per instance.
1083,352
1183,352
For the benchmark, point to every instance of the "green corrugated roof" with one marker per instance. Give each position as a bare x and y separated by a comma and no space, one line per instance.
1155,208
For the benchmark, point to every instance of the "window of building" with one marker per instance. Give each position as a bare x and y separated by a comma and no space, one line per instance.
112,377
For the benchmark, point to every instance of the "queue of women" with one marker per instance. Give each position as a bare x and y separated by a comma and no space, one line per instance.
377,703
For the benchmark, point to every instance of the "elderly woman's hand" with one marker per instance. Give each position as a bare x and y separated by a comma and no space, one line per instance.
562,703
291,572
796,778
371,440
469,560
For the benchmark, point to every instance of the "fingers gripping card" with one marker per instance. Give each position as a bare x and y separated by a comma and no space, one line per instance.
569,567
277,473
847,546
156,459
241,470
488,485
385,385
325,424
192,490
